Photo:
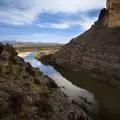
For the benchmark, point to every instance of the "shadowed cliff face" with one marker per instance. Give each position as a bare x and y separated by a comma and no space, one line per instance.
97,50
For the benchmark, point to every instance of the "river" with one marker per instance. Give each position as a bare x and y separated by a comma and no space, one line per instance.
83,89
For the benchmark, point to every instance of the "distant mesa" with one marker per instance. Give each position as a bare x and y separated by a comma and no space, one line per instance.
18,42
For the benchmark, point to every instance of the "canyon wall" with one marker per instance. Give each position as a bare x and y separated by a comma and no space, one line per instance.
97,51
113,7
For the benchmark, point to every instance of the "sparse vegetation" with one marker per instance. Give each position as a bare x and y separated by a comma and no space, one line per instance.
24,47
25,94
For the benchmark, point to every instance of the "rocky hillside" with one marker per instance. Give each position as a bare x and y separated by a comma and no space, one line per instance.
25,94
97,51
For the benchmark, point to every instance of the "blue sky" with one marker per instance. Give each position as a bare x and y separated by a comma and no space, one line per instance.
46,20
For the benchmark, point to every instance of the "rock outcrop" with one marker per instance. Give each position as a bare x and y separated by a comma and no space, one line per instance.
25,94
110,16
113,7
97,51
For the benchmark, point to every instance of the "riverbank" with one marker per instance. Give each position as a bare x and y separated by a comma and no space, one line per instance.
108,95
93,114
26,94
45,57
23,54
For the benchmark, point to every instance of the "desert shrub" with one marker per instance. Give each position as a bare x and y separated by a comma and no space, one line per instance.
43,105
4,109
29,69
16,101
37,81
35,89
51,84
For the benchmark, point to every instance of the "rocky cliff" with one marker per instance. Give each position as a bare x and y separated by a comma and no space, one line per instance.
97,51
113,7
25,94
110,16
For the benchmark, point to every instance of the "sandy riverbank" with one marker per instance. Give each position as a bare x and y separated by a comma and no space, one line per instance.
23,54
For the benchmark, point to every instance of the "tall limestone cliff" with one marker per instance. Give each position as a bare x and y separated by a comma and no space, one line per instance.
113,7
110,16
97,51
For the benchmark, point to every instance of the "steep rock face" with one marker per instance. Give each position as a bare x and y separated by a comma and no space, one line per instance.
97,50
110,16
113,7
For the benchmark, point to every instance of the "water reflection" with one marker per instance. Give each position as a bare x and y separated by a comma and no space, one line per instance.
81,96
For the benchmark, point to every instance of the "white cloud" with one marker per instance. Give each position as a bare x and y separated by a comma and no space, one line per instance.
85,22
20,12
17,17
54,25
60,26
